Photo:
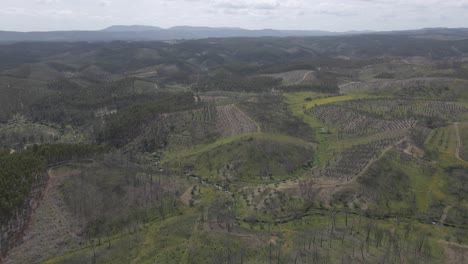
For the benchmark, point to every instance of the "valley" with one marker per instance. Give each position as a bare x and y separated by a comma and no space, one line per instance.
236,150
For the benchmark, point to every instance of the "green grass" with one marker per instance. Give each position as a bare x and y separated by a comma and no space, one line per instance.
401,185
298,102
207,147
143,87
420,184
183,239
162,241
328,143
463,131
401,70
443,141
257,157
21,132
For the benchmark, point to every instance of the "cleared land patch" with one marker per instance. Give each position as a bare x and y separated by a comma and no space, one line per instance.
399,108
295,77
352,123
427,87
53,230
231,121
250,159
442,140
354,160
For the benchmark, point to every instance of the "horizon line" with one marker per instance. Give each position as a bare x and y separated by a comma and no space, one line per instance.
232,28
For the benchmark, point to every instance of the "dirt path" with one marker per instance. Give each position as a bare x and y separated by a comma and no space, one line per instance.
372,161
52,230
454,244
444,215
187,196
454,253
346,84
459,143
145,74
305,77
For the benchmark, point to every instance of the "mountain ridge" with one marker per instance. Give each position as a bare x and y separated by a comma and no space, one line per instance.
153,33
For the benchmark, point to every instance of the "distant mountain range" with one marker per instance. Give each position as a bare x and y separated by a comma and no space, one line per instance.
151,33
148,33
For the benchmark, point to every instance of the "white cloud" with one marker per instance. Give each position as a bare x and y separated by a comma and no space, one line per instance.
105,2
257,4
46,2
335,9
12,11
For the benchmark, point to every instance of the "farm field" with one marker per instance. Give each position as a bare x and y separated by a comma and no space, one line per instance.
443,140
401,108
231,121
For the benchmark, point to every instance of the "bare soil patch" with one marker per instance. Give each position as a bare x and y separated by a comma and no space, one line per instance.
52,230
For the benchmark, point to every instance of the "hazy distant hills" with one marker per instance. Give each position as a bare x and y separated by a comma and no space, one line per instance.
134,28
142,33
151,33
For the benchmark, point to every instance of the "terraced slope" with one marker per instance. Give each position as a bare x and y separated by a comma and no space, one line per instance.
231,121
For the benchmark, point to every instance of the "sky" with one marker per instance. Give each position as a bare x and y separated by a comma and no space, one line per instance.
331,15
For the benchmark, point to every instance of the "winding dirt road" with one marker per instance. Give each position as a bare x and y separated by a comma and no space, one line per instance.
305,76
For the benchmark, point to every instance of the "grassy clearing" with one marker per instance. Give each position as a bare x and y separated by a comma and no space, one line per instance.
210,146
297,101
262,157
328,143
298,105
443,141
184,239
427,186
401,185
463,133
142,87
420,181
162,241
20,133
400,70
274,117
301,101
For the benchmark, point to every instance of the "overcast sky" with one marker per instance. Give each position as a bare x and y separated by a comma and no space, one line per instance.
331,15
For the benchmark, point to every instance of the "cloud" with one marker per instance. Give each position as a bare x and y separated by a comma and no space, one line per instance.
256,4
105,3
231,5
13,11
46,2
335,9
